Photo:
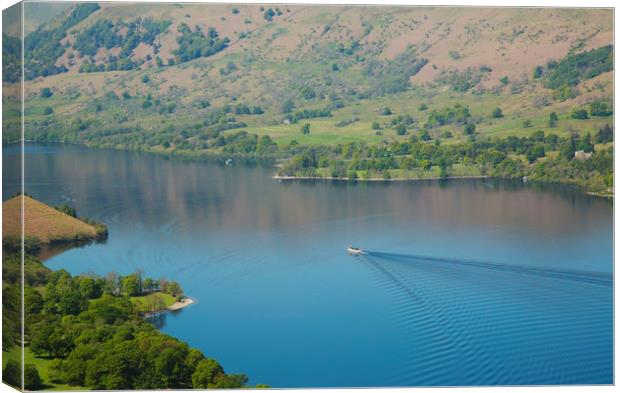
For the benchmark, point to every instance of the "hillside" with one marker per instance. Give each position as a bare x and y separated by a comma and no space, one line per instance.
196,79
42,222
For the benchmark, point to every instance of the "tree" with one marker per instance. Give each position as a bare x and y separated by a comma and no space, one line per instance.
11,374
376,125
148,284
386,111
204,376
269,14
32,380
33,301
470,128
535,152
497,113
401,129
132,285
553,119
579,114
600,108
46,92
425,135
48,111
287,106
568,148
67,209
305,129
585,143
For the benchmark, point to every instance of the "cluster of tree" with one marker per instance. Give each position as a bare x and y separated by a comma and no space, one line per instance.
106,34
393,76
309,114
270,13
244,144
43,46
242,109
495,157
450,115
601,108
11,58
100,228
464,80
95,336
562,76
194,44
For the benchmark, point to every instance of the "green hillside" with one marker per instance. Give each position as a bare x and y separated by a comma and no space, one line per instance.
274,81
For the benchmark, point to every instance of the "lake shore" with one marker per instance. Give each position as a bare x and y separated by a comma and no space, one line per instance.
181,304
378,179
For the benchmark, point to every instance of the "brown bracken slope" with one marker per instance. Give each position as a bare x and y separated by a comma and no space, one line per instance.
42,221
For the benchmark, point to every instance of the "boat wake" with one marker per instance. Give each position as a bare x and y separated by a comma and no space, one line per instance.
565,274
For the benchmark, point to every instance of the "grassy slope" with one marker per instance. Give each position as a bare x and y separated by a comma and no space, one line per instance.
278,57
142,303
42,221
42,365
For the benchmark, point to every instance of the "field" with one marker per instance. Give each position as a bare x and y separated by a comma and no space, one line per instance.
42,365
152,301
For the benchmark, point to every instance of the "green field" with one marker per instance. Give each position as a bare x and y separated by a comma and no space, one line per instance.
146,303
42,365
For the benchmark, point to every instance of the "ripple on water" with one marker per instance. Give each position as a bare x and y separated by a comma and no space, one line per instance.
480,323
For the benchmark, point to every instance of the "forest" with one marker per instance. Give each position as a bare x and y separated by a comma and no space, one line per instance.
95,338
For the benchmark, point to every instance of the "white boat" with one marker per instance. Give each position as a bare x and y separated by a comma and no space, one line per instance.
355,251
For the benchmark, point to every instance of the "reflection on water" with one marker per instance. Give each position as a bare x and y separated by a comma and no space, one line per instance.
471,281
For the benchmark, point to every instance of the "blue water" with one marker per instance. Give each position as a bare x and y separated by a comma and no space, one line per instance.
466,282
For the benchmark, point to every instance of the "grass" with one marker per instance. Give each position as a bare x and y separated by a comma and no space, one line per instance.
143,303
42,221
42,365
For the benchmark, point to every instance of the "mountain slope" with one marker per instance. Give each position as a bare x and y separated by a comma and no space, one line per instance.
196,79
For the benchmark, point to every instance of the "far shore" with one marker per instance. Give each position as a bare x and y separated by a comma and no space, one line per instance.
278,177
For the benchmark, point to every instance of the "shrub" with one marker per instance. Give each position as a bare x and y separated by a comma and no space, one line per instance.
469,129
32,380
46,92
600,108
11,374
579,114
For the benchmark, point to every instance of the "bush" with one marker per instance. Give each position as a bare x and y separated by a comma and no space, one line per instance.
469,129
11,374
497,113
600,108
579,114
46,92
32,380
553,119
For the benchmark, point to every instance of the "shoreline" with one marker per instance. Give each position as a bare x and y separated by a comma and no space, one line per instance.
276,163
376,179
179,305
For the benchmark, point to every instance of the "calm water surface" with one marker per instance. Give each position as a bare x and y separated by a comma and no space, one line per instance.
466,282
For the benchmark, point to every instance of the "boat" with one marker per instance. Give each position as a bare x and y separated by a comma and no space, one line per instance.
355,251
229,162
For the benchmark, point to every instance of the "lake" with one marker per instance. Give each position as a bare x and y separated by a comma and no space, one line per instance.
466,282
